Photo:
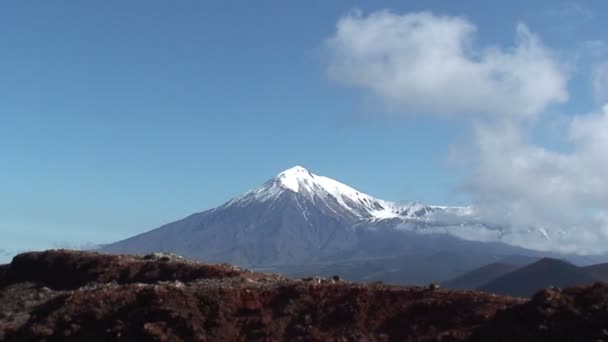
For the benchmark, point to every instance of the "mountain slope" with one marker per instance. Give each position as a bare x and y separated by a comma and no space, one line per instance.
255,234
599,272
480,276
541,274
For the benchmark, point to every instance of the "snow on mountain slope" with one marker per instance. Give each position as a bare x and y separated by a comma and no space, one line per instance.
343,200
330,192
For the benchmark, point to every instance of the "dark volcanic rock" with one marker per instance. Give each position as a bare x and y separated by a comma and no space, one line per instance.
66,269
76,296
572,314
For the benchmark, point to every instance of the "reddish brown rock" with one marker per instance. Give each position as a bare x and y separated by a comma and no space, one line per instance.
76,296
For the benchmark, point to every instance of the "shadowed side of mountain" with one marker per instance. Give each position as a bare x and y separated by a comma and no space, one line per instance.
480,276
599,272
541,274
287,230
404,258
521,260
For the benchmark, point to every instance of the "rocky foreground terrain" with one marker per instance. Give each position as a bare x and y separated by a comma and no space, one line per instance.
78,296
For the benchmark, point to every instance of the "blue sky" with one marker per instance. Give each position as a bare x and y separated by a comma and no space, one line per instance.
117,117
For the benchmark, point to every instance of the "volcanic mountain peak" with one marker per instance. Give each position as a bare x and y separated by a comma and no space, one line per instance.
301,180
294,178
319,189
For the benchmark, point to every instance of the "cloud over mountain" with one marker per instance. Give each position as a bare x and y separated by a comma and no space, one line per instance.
427,64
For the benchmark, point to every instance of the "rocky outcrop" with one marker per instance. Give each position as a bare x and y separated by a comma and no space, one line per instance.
75,296
553,314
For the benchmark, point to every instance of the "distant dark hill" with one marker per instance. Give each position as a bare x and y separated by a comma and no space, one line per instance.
520,260
541,274
480,276
599,272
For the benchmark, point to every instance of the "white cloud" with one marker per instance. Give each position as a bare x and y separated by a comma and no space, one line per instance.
520,184
421,63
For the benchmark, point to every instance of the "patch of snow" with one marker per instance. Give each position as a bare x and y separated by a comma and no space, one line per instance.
301,181
294,177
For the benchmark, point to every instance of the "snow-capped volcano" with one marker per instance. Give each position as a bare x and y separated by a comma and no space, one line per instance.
338,197
299,218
